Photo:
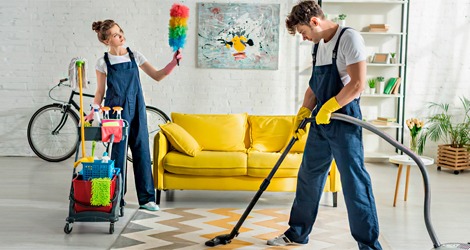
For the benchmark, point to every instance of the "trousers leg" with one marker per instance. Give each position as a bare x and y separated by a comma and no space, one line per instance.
358,195
310,183
142,165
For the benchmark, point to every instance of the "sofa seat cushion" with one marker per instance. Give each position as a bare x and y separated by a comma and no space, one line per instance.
207,163
260,164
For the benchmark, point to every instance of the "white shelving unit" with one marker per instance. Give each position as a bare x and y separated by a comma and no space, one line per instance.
360,14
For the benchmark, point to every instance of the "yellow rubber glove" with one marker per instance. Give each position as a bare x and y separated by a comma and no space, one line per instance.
302,114
324,114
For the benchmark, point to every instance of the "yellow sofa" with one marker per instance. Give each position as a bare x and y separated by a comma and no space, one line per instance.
230,152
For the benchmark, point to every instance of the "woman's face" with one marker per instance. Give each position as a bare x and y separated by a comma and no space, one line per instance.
115,36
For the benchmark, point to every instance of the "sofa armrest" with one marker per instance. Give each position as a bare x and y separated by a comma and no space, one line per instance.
160,149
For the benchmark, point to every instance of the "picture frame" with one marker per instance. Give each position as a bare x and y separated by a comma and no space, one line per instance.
381,58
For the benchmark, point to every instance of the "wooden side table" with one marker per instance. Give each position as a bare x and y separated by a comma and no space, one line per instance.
404,160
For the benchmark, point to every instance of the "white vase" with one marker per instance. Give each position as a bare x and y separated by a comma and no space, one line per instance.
342,23
381,87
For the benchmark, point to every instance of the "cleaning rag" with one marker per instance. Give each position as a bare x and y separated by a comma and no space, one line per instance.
100,192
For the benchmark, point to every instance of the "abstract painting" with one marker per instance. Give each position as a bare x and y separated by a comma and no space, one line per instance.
238,35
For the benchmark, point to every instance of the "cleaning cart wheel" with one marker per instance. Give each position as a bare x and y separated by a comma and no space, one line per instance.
68,228
111,228
456,172
438,168
122,212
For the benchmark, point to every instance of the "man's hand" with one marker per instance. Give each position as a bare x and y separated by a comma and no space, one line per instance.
324,114
302,114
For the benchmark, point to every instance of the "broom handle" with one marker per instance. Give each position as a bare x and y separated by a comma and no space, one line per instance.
82,119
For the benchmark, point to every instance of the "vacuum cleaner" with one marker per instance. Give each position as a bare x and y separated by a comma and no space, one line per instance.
227,238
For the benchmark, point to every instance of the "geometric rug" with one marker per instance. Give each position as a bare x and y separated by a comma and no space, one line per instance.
190,228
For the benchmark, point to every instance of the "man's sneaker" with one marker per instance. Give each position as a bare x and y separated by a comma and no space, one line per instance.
151,206
281,240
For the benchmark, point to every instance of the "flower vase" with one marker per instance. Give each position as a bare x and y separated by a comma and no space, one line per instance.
414,144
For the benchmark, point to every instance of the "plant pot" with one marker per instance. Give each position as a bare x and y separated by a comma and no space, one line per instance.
342,23
453,158
393,60
372,91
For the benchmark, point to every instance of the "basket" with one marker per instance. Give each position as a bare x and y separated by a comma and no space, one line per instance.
97,169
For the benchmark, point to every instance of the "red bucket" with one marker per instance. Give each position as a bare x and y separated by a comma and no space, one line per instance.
82,194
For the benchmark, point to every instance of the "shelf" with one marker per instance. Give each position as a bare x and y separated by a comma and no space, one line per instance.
382,95
385,64
382,33
392,125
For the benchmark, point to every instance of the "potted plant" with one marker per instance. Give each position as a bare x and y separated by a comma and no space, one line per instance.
342,19
381,81
371,83
393,60
454,154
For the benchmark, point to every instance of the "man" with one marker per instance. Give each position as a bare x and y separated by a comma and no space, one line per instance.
338,77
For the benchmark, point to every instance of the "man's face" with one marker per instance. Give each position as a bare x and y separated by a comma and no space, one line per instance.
310,32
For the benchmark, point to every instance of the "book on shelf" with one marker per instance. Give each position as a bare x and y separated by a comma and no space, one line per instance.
396,87
378,27
387,119
381,122
391,84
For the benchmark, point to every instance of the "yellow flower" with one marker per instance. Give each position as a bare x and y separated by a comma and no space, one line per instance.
414,125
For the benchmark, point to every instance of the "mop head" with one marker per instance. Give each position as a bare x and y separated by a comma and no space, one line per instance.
178,26
100,192
73,73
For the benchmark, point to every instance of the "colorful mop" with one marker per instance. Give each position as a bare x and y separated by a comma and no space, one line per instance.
177,31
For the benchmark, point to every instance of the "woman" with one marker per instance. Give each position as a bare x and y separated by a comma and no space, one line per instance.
119,69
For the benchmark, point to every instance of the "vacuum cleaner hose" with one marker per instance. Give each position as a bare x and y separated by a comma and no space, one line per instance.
419,162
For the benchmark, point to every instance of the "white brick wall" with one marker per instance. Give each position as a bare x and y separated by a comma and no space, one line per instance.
39,38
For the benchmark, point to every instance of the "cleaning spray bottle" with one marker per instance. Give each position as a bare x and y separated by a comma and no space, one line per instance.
118,110
105,112
96,116
105,158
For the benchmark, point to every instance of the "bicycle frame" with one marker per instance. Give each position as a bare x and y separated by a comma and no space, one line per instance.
66,107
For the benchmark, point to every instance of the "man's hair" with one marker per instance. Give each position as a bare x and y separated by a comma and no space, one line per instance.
302,13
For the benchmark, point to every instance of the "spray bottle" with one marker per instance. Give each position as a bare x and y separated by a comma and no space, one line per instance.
118,110
105,158
105,112
96,116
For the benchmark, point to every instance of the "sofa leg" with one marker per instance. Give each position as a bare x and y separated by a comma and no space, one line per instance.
170,195
335,199
159,195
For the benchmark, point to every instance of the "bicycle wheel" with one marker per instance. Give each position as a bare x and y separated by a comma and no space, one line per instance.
53,132
154,118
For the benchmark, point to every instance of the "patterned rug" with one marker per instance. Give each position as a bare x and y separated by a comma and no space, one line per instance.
186,228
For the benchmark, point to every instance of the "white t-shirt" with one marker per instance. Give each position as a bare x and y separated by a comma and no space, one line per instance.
351,49
101,63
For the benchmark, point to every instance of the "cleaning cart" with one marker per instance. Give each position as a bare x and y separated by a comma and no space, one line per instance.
80,205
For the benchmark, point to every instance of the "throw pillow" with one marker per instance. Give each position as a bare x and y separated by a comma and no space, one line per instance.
180,139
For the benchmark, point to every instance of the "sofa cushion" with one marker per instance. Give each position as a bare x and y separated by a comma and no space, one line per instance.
218,132
260,164
208,163
269,133
180,139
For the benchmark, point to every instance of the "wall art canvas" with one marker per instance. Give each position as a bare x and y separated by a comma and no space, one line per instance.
238,35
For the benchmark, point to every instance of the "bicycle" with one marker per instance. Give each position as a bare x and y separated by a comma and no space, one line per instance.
53,130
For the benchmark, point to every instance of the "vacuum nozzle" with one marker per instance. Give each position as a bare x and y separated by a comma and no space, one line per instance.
221,239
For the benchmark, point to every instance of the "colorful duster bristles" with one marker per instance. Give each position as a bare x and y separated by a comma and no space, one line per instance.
178,26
